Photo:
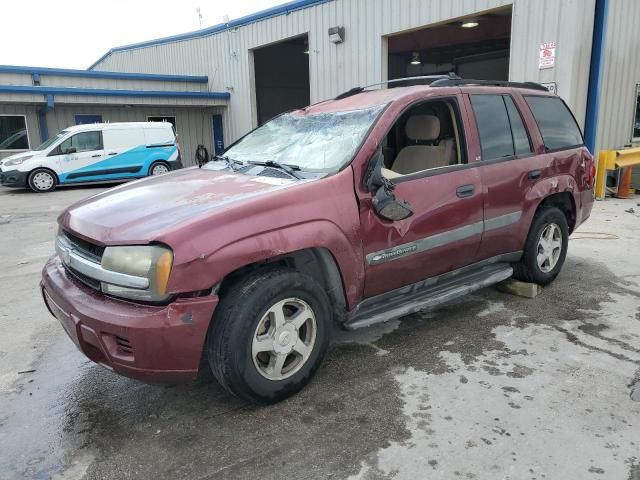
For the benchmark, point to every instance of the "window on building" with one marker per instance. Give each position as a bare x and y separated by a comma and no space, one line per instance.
556,123
636,116
13,132
163,118
83,142
493,126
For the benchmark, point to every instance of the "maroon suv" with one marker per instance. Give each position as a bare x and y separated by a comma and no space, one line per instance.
372,205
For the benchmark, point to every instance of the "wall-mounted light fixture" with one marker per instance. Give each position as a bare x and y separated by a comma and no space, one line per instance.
415,59
336,34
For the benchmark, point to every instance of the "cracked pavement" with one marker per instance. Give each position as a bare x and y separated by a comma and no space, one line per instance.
489,386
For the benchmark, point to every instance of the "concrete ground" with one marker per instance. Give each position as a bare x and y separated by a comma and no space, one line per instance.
489,387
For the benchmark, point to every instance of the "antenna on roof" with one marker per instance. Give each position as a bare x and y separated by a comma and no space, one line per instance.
199,17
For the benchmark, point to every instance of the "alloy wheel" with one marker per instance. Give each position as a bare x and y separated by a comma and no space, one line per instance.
549,247
284,339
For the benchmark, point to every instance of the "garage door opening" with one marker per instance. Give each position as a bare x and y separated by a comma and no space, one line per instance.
281,77
472,47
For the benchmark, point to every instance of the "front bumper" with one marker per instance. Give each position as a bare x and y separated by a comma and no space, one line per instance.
13,178
154,344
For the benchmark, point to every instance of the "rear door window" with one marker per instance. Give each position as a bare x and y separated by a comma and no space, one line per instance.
556,123
521,142
493,126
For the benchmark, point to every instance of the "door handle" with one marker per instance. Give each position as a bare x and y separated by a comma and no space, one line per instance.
534,174
113,153
465,191
96,155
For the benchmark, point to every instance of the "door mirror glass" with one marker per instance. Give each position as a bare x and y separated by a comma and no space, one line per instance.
69,150
373,178
388,207
384,201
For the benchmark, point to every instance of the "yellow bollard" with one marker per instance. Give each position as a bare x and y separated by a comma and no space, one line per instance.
601,175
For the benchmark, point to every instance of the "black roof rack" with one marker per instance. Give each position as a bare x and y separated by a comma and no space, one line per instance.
432,78
456,82
450,80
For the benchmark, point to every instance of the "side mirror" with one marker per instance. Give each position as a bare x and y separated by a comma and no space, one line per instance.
373,178
384,201
70,150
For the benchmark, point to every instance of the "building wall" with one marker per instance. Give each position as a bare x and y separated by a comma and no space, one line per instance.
227,57
621,74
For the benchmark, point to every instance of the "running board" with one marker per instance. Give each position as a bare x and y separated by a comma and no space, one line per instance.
426,294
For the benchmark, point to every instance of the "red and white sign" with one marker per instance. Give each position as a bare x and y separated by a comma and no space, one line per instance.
547,57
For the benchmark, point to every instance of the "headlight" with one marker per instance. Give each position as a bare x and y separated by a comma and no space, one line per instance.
152,262
16,161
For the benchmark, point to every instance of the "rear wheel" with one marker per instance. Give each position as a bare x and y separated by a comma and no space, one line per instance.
545,249
42,180
159,168
269,335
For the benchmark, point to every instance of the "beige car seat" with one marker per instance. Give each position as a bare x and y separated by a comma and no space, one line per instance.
415,158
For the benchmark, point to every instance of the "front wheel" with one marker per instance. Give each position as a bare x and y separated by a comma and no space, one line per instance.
42,180
269,335
545,249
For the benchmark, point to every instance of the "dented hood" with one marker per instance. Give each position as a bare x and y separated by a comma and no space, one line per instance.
142,211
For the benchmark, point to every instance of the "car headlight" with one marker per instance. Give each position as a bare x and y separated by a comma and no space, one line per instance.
152,262
16,161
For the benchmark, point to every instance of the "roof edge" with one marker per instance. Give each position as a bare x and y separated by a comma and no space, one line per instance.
67,72
278,10
110,92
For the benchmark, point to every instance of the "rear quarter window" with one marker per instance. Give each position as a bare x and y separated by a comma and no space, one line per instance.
123,138
159,136
556,123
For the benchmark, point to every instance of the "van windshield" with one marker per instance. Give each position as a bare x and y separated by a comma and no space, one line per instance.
324,141
51,141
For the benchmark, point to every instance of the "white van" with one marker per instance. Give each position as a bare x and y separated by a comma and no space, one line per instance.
100,152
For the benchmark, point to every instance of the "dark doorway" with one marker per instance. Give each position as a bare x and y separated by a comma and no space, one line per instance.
282,77
473,47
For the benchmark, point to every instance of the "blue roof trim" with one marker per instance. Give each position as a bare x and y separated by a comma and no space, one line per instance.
283,9
64,72
107,92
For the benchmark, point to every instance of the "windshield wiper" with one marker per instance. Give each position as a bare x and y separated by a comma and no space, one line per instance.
290,169
230,161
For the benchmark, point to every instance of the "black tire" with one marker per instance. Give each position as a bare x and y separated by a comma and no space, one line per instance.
158,164
36,183
235,322
528,270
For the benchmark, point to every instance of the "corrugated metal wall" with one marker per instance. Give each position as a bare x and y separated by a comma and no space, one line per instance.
621,74
193,125
227,58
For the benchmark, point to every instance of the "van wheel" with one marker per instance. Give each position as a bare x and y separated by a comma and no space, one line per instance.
269,335
159,168
42,180
545,249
